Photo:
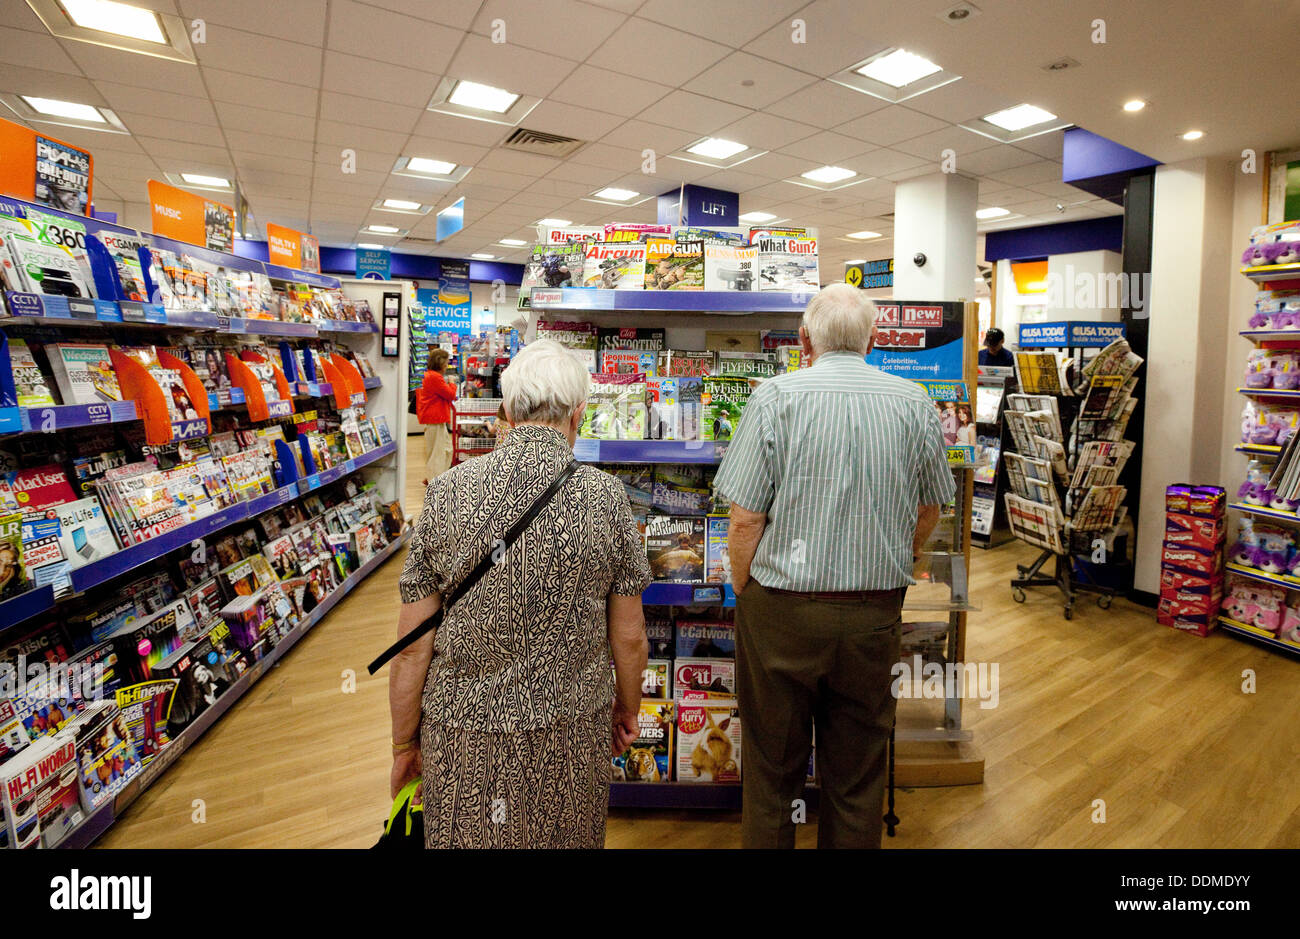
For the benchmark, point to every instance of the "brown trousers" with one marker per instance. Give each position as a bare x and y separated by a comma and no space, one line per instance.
800,663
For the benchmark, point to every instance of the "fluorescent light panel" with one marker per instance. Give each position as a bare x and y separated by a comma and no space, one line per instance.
1019,117
554,222
383,229
56,108
615,194
402,205
715,148
759,217
863,235
992,212
120,19
482,97
899,68
829,174
483,257
432,167
370,246
1137,104
512,242
213,182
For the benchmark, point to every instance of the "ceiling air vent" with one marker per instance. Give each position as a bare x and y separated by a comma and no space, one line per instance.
541,143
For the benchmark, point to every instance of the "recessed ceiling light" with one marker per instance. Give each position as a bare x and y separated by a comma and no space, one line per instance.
715,148
829,174
857,261
211,182
553,223
863,235
120,19
54,108
483,257
370,246
432,167
482,97
757,217
899,68
616,194
402,205
993,212
1019,117
383,229
1194,135
1137,104
512,242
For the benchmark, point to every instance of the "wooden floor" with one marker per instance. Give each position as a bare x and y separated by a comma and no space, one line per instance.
1108,706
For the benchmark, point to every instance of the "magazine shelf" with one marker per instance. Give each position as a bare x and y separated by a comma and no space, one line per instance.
592,300
67,416
669,594
1259,635
102,819
345,326
327,476
26,605
586,450
371,382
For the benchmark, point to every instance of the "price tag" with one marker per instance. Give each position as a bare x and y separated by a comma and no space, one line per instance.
278,408
25,304
81,308
132,311
701,595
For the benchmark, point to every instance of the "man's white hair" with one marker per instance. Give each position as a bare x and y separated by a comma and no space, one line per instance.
840,318
544,384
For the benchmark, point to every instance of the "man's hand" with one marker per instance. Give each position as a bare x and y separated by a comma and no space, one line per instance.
625,730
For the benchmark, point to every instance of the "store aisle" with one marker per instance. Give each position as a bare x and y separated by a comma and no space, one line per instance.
1108,706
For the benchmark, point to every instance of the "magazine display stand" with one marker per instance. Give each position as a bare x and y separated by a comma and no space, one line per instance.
105,320
990,476
1068,424
933,748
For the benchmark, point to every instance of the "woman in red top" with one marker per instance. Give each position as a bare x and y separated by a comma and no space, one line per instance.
433,409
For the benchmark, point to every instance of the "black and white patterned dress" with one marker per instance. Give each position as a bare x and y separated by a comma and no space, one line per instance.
515,732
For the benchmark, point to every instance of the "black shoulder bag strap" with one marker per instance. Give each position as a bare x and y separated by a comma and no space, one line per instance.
483,566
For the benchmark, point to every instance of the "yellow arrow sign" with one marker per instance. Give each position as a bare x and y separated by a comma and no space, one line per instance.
853,276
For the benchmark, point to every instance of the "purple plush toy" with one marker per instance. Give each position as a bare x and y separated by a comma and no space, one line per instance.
1288,252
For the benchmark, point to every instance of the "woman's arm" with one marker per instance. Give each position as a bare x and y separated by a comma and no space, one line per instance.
406,676
441,387
630,648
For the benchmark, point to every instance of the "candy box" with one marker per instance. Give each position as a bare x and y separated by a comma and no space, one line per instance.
1185,498
1207,534
1171,579
1196,625
1190,559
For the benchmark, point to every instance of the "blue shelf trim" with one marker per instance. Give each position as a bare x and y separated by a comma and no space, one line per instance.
62,416
663,594
1273,642
345,326
11,420
648,451
277,272
1269,392
255,327
192,319
26,605
371,381
671,301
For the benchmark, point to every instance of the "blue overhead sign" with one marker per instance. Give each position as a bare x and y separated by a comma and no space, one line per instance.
1069,334
451,219
374,263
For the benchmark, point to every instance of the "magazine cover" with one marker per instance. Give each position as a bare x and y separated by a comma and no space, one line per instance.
729,267
125,252
40,791
649,757
635,231
705,639
62,176
656,679
690,391
624,362
787,263
561,236
41,262
675,497
675,548
631,338
659,630
144,708
717,562
107,758
84,372
758,365
84,532
708,740
712,236
674,265
616,408
580,337
722,400
713,675
614,266
665,411
677,364
40,488
31,386
556,265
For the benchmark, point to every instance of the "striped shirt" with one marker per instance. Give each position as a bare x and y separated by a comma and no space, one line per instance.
838,457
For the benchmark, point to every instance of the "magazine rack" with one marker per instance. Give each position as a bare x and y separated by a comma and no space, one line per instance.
1063,478
353,385
259,408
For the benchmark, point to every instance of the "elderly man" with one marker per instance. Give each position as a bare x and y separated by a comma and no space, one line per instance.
835,478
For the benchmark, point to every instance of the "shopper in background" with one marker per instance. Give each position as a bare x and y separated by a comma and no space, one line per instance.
433,410
825,529
994,353
500,427
517,716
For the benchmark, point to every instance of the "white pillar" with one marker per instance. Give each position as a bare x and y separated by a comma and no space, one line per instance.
935,216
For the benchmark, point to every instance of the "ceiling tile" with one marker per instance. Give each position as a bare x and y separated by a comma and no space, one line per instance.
367,161
761,131
295,20
255,54
829,48
261,121
436,126
367,112
605,90
992,159
957,139
890,125
603,155
459,153
166,151
269,145
571,121
557,27
508,161
960,101
263,92
693,112
1060,190
62,86
499,178
640,47
826,147
780,165
143,71
387,36
21,16
560,188
734,22
882,162
337,135
639,135
826,104
734,180
149,125
35,51
139,100
769,82
513,68
593,177
380,80
1050,146
1043,171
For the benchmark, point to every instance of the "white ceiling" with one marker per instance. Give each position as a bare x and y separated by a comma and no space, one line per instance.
281,88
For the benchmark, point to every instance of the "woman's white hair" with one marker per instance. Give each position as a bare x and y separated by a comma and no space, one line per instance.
840,318
544,384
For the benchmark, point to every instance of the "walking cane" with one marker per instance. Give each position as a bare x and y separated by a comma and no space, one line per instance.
891,820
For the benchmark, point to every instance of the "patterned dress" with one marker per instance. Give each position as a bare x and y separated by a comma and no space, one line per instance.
515,733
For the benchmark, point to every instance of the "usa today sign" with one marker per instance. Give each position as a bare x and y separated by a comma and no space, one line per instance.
1072,334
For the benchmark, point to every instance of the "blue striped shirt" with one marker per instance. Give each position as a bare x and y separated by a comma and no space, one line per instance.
838,456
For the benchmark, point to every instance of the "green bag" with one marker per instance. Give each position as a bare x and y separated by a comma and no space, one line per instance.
405,826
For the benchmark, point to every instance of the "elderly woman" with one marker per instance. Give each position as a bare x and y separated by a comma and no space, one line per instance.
433,409
509,713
